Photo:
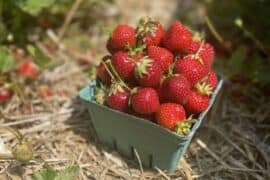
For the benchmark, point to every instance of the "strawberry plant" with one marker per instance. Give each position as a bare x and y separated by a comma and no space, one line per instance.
244,53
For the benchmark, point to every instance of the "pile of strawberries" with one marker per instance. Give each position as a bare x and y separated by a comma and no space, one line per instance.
163,76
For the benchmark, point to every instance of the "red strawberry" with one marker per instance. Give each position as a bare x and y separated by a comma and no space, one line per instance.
28,69
118,98
161,55
103,75
124,64
212,80
175,89
206,52
110,47
5,94
145,101
122,36
190,67
118,101
169,114
149,32
148,73
197,102
177,38
207,84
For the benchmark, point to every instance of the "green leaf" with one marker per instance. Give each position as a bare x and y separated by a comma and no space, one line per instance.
235,63
68,174
7,61
33,6
44,174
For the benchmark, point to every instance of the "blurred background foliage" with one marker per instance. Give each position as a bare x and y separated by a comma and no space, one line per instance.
244,23
242,54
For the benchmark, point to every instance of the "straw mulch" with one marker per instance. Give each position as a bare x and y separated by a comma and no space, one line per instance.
234,144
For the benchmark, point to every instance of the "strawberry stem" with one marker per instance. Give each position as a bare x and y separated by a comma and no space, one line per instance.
108,70
134,51
200,48
117,76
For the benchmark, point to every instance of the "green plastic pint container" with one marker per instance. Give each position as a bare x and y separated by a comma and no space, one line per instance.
155,145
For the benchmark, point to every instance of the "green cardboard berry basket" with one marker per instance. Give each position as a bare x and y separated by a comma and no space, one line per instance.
155,145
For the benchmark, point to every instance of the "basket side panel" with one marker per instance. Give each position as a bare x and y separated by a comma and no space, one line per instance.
126,134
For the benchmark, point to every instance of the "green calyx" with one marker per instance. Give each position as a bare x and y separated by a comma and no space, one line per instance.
184,127
100,94
115,88
198,36
141,67
203,88
134,51
196,56
146,26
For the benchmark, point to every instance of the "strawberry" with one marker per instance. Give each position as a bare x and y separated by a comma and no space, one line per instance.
144,100
5,94
122,36
118,97
109,46
124,64
197,102
28,69
177,38
190,67
149,32
118,101
161,55
169,114
212,80
148,73
175,89
103,75
207,84
206,52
